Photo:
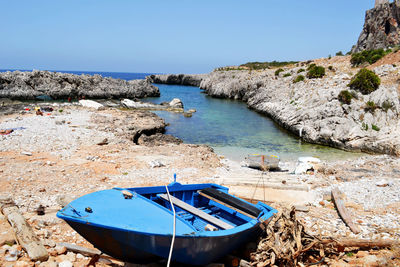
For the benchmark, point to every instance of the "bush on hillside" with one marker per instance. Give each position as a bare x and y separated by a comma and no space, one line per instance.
345,97
315,72
369,56
287,74
365,81
299,78
301,70
278,71
340,53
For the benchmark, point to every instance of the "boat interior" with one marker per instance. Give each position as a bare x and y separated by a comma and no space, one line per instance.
205,207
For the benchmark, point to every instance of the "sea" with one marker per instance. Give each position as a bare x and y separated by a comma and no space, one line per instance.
228,126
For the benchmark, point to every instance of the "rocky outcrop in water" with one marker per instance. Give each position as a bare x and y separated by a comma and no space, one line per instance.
178,79
381,27
29,85
311,109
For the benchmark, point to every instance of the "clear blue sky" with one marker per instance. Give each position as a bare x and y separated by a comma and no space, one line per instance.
170,36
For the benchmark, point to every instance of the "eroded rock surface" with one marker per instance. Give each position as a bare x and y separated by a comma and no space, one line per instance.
311,109
179,79
381,27
29,85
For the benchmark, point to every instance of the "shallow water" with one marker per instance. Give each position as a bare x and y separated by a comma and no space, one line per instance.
232,129
228,126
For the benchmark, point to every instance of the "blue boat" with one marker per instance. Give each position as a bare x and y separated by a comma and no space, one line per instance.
136,224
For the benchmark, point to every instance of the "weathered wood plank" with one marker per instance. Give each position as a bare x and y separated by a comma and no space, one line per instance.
197,212
23,231
343,212
226,205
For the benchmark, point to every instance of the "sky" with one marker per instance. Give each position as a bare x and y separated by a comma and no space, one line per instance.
173,36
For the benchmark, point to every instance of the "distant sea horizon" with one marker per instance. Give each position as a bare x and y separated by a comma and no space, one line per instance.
116,75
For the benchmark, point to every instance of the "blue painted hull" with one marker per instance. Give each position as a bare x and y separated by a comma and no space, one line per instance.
136,247
139,228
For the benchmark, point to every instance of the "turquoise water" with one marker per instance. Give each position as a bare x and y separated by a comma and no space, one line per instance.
232,129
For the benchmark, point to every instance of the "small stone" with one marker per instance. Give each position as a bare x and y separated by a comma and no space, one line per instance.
49,243
80,256
10,258
26,153
61,250
302,208
322,203
361,254
21,264
65,264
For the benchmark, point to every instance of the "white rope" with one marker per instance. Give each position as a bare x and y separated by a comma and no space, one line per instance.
173,235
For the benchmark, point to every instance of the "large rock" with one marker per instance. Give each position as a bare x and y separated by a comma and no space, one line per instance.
30,85
178,79
381,27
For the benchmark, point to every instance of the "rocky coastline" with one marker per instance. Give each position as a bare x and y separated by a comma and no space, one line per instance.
177,79
30,85
311,109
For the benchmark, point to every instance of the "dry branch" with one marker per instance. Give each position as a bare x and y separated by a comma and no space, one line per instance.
23,231
343,212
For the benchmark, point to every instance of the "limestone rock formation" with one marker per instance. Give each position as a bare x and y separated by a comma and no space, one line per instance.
178,79
29,85
311,109
381,27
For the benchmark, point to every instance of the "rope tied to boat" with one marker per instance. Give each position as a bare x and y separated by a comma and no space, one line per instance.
174,230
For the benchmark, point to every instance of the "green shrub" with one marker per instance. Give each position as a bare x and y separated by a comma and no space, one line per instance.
370,106
345,97
340,53
386,105
370,56
365,81
364,126
375,128
301,70
278,71
267,65
311,66
299,78
316,72
287,74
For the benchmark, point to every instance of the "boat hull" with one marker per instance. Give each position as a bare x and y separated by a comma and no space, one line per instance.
137,247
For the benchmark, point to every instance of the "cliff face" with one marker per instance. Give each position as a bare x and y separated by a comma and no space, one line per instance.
28,85
381,27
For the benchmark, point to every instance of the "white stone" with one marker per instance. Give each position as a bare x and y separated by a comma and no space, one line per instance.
90,104
65,264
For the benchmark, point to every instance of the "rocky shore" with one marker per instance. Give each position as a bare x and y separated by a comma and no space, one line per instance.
68,152
177,79
311,108
30,85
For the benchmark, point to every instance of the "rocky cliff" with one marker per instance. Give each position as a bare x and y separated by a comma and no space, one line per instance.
381,27
311,109
178,79
28,85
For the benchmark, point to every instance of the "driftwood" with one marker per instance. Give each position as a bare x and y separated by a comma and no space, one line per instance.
343,212
286,243
23,231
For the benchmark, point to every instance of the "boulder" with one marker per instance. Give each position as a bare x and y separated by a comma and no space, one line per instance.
90,104
176,103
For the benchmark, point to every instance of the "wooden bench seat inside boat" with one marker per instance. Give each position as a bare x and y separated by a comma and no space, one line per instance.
230,201
195,211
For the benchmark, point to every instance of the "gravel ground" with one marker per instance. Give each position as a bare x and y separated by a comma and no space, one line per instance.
56,158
